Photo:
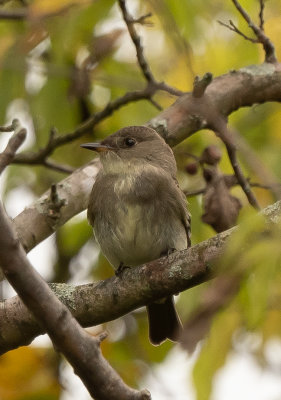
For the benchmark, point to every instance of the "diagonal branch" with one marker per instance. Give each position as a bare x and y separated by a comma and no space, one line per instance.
106,300
56,141
144,66
80,348
234,28
36,222
225,135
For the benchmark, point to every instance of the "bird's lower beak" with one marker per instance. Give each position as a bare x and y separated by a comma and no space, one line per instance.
96,147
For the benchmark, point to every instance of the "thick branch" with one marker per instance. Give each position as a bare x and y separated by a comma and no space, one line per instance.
80,348
104,301
245,87
37,222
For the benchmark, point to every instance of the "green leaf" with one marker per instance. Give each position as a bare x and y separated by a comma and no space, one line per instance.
214,352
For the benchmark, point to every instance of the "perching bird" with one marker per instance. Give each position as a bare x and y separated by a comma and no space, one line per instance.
138,211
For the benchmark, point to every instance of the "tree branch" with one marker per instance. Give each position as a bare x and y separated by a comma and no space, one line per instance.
256,165
239,88
16,14
80,348
10,128
234,28
37,222
200,85
225,135
144,66
7,156
106,300
261,15
56,141
231,180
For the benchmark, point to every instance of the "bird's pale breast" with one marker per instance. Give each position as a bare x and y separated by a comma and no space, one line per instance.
136,227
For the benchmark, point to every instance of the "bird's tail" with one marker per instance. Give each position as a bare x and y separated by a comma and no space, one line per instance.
164,322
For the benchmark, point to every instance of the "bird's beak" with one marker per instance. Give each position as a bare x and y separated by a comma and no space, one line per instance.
96,147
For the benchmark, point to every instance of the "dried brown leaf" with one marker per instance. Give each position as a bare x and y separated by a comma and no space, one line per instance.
221,209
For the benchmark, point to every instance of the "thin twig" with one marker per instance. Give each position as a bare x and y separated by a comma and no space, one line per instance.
144,66
56,141
7,156
201,84
223,132
233,182
258,31
129,20
66,169
234,28
261,16
10,128
14,14
142,20
156,105
166,88
256,165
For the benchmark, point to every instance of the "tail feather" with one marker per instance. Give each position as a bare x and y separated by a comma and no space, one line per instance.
164,322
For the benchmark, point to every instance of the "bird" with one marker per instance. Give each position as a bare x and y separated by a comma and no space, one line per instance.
138,211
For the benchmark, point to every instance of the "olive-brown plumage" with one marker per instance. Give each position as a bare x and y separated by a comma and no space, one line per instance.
138,211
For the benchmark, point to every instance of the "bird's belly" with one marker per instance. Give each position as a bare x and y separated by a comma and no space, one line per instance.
138,234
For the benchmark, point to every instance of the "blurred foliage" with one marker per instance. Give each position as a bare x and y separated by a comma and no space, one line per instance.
44,83
254,253
29,373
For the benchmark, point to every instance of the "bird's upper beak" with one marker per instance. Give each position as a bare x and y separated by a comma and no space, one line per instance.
96,147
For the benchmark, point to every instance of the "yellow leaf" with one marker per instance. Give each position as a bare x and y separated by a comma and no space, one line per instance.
28,371
41,8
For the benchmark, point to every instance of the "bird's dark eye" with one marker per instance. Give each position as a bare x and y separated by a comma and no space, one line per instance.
129,142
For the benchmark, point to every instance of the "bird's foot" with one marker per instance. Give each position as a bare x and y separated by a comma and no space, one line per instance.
168,252
120,269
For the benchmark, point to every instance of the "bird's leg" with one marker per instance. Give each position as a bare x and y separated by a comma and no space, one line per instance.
168,252
121,268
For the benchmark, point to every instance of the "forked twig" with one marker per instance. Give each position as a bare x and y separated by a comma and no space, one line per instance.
261,37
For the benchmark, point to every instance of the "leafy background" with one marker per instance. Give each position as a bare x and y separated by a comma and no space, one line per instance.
40,83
